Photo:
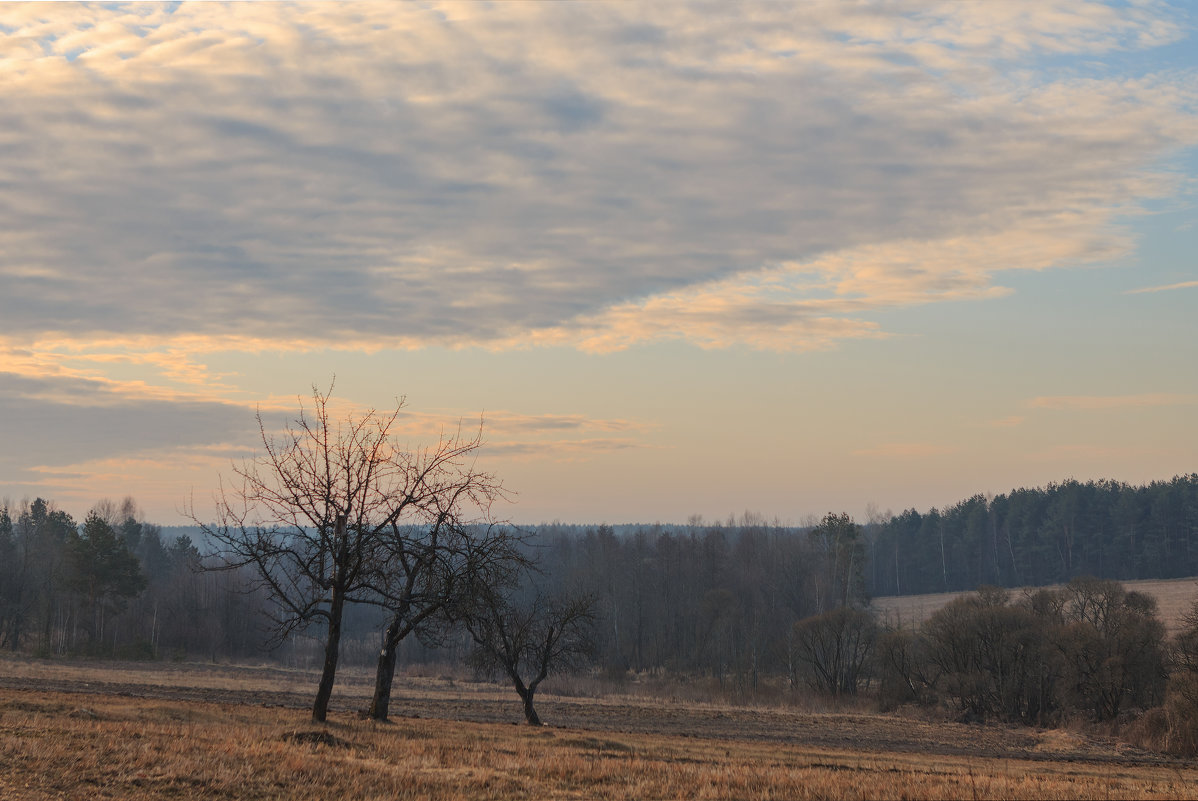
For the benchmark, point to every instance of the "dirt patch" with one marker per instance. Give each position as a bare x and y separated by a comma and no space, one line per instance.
83,713
318,737
596,744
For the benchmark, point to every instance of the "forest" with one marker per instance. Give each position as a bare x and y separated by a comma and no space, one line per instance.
715,598
741,603
1039,536
703,596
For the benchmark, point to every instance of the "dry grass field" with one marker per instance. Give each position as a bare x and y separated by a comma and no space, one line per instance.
1174,598
88,731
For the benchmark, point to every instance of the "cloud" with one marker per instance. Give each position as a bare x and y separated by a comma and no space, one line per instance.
537,436
504,421
67,422
1105,402
560,449
1006,422
813,305
334,175
1087,454
78,439
1166,288
906,450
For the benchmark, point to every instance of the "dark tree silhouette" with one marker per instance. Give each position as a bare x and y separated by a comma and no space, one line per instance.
103,572
323,516
527,638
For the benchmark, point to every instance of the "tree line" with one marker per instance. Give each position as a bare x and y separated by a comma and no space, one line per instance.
1040,536
716,600
113,586
693,597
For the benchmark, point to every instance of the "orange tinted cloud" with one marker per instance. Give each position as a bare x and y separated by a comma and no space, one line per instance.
906,450
225,170
1105,402
1165,288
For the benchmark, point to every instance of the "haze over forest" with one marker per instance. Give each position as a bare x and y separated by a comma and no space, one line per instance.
681,260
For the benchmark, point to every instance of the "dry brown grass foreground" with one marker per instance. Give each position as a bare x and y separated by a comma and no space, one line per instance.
125,742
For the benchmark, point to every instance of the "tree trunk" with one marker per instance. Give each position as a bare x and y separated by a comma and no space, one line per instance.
14,640
943,559
332,646
530,714
384,674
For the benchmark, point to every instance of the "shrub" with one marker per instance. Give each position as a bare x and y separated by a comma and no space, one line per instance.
834,649
1181,713
1113,647
905,674
992,657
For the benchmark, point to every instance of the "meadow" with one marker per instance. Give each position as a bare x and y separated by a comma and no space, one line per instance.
1174,598
149,731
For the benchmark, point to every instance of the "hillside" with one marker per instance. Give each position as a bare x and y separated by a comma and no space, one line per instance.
1174,597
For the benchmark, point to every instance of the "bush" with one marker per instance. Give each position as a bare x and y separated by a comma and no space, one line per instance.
1091,646
1150,730
993,658
905,674
1181,713
1181,695
1113,646
834,649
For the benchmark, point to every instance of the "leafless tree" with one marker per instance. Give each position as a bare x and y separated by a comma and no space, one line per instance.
319,515
1113,645
835,647
434,570
526,638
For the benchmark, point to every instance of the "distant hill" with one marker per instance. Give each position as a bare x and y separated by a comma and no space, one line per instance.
171,533
1174,597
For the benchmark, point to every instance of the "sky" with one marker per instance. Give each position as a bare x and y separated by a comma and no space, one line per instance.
681,259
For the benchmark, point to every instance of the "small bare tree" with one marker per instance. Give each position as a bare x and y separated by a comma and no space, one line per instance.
434,569
526,638
835,648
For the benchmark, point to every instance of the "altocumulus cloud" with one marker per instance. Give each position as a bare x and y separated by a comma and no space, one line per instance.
589,175
66,421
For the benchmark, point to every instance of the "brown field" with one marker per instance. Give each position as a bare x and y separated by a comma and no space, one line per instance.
1174,598
150,731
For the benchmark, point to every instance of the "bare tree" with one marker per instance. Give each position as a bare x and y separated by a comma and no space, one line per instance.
433,569
1113,644
316,516
835,647
840,548
527,638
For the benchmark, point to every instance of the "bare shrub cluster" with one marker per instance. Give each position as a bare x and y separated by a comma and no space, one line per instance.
1090,648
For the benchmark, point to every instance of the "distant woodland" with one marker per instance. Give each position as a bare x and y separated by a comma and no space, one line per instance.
702,596
1033,537
114,585
741,603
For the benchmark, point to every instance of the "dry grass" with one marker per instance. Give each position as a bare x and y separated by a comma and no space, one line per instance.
352,682
1174,598
91,746
94,745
